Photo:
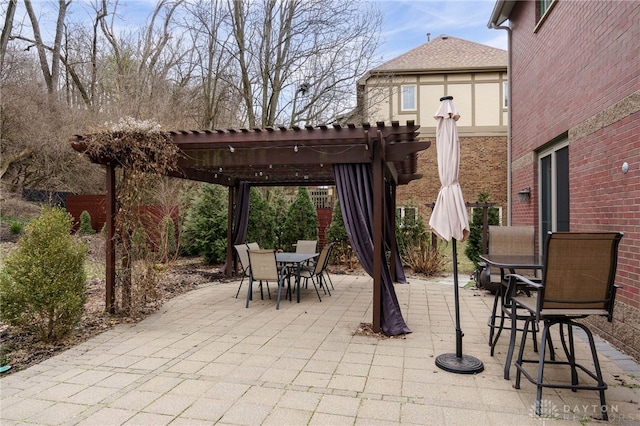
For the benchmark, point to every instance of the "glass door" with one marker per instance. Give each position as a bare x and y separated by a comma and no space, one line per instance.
553,169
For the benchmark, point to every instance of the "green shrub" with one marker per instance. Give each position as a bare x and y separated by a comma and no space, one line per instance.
414,244
261,226
279,203
337,234
85,224
15,227
205,227
473,249
168,244
302,220
42,283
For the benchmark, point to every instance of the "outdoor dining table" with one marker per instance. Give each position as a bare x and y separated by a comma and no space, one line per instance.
295,262
509,263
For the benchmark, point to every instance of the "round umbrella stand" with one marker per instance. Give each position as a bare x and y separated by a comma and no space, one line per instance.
457,362
465,364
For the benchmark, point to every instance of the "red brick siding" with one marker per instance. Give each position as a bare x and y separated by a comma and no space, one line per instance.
483,168
581,62
584,58
604,198
324,221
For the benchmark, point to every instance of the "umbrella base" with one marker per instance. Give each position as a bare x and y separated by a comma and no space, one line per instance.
465,364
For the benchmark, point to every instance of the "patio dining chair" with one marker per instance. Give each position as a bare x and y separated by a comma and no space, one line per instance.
577,281
515,240
243,255
306,246
508,240
265,268
318,270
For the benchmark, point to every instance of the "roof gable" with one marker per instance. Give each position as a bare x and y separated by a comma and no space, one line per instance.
447,53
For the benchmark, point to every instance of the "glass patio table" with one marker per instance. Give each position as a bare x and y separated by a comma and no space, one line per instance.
295,262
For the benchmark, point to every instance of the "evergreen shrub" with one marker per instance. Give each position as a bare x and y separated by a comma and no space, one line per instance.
85,224
302,220
42,282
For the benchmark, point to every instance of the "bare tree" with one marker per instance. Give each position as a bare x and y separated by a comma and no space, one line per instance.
299,60
207,69
6,29
50,73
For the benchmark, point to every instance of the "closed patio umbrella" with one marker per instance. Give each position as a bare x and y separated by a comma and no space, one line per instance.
449,220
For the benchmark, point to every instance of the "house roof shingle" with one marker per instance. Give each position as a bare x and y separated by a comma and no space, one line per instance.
447,53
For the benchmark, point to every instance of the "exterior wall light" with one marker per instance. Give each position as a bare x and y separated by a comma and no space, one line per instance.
524,195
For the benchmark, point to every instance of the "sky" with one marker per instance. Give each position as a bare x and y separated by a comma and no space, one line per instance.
407,22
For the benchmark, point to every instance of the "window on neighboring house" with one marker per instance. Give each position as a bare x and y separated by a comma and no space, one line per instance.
553,178
408,97
505,95
542,7
406,216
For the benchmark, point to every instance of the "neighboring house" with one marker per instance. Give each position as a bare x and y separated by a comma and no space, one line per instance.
410,86
575,91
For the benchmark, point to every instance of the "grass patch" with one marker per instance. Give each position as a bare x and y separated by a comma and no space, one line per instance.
465,265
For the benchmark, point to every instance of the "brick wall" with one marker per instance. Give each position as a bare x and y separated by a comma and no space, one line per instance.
483,168
577,74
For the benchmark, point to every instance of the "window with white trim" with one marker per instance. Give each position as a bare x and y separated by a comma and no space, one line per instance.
408,97
505,95
406,216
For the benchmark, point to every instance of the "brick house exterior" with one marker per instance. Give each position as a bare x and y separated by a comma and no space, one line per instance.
475,75
575,91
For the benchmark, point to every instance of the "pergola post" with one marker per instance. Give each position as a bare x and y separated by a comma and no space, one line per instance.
378,229
110,260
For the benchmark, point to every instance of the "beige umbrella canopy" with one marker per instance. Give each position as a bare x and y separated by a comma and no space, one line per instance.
449,218
450,221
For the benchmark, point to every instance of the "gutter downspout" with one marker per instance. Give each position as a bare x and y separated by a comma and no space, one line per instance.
509,106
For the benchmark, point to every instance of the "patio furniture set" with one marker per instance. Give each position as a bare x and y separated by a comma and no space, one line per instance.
267,265
573,279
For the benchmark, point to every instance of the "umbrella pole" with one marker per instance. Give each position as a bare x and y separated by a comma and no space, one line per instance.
458,363
456,293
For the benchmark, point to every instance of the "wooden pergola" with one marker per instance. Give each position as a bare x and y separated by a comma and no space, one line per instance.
297,156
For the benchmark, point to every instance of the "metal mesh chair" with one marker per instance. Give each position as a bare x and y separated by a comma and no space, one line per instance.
318,270
243,256
265,268
511,240
306,246
577,281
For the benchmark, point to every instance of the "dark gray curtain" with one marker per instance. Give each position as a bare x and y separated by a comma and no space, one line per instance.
354,183
241,217
390,233
240,220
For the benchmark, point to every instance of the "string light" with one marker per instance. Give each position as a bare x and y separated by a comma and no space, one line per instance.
232,149
295,148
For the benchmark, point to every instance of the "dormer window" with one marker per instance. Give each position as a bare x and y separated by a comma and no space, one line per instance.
408,97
